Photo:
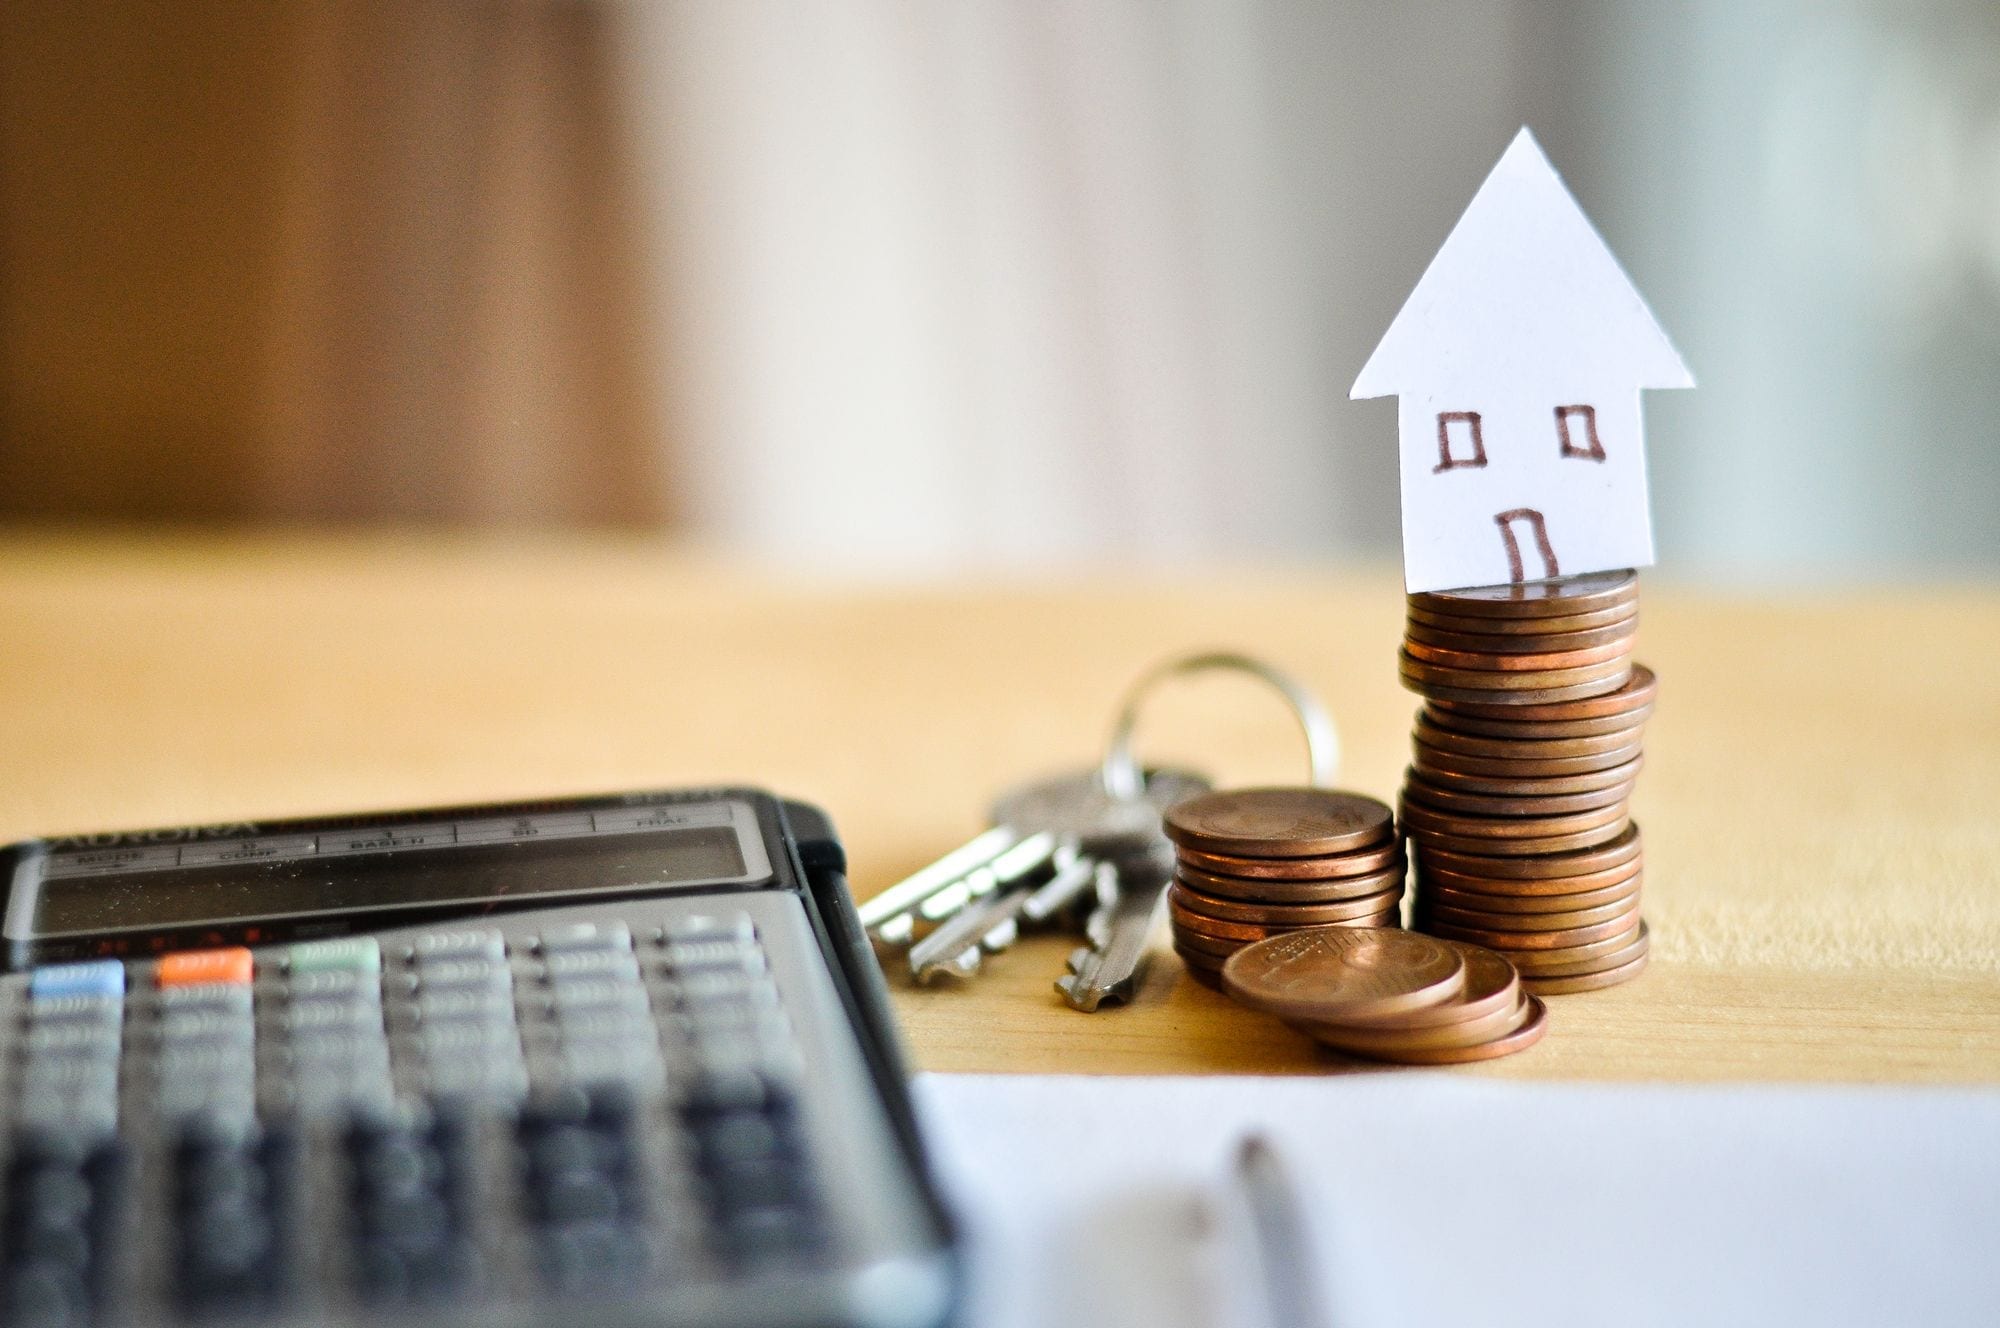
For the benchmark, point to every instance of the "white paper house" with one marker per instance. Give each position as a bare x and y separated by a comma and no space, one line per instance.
1518,362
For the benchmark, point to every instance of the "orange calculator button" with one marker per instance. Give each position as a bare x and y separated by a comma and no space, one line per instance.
231,964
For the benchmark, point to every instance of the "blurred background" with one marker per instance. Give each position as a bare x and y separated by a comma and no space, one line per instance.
915,287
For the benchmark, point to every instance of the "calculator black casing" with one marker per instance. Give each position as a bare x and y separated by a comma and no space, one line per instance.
808,862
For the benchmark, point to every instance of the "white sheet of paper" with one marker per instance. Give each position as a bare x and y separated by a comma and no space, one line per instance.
1523,311
1453,1201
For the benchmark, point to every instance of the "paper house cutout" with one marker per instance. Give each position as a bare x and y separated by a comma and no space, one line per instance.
1518,362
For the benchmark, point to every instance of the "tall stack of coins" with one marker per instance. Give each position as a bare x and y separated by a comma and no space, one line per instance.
1261,862
1389,995
1526,750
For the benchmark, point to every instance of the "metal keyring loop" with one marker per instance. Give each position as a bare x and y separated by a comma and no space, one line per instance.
1120,772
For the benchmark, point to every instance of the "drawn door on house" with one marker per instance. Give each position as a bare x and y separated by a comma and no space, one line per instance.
1517,523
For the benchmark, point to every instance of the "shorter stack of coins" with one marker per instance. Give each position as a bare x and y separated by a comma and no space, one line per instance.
1255,863
1389,995
1526,750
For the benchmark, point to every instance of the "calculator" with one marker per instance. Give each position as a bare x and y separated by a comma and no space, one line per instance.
602,1061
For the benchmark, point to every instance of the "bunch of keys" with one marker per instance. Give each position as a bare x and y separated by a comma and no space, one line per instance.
1084,845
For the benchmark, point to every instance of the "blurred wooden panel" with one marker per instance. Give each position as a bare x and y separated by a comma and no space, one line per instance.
351,260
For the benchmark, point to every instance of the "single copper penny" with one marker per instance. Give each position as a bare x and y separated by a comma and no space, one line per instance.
1279,822
1524,1032
1181,898
1639,692
1493,643
1521,749
1521,680
1416,817
1535,599
1526,785
1218,950
1564,941
1454,721
1359,862
1623,617
1389,1041
1417,789
1429,759
1609,977
1345,973
1433,907
1434,889
1487,699
1275,891
1565,868
1599,958
1522,848
1492,990
1561,962
1511,661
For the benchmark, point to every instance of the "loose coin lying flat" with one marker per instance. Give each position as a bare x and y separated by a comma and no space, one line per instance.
1531,1022
1348,973
1279,822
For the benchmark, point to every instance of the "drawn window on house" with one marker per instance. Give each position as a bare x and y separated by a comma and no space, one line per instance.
1532,521
1459,443
1577,427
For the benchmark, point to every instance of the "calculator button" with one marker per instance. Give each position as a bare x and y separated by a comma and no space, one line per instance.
440,945
463,973
565,966
99,977
352,954
232,1200
230,964
217,997
411,1208
585,936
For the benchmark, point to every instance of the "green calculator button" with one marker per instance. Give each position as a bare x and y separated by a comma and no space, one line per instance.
353,954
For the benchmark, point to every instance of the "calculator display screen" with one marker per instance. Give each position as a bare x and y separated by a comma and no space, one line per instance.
298,871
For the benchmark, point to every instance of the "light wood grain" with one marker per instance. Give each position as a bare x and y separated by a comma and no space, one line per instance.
1823,858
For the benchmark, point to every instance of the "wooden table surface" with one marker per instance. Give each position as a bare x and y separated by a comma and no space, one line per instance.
1823,853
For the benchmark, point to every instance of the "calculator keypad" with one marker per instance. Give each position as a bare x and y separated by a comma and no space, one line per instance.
416,1120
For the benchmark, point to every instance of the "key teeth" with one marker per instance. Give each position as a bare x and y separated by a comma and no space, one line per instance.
1081,995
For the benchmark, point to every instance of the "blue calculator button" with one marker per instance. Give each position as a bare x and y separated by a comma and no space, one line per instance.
95,977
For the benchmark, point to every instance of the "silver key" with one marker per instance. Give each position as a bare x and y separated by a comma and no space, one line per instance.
1107,972
1066,826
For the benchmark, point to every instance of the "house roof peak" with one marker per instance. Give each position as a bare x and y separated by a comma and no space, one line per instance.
1524,289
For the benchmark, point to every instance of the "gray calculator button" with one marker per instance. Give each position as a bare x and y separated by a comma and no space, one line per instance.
632,1025
99,1036
695,992
571,965
678,957
467,1037
439,945
585,936
78,1009
340,1047
334,982
208,997
482,1003
736,929
609,1062
482,1080
340,1012
585,994
463,972
187,1026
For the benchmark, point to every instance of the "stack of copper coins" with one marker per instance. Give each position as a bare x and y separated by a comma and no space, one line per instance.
1389,995
1260,862
1526,750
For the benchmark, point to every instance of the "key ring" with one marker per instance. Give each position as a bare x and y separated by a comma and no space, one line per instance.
1121,774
